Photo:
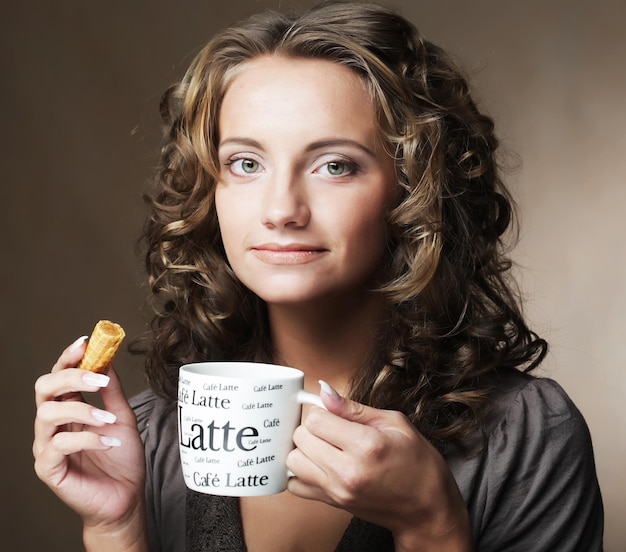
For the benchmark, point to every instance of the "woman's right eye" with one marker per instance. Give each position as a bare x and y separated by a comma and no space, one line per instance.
243,166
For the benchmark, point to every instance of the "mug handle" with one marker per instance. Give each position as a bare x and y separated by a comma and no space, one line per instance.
304,397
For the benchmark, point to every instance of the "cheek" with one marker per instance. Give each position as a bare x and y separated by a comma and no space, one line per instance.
368,220
366,236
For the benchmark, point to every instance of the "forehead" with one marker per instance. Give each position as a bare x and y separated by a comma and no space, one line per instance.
316,92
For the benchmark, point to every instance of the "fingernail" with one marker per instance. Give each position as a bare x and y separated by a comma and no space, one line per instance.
96,380
110,441
78,342
103,416
328,390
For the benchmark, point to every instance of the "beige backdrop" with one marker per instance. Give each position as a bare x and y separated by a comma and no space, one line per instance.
80,87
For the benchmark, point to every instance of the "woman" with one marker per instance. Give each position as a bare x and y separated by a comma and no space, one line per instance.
328,198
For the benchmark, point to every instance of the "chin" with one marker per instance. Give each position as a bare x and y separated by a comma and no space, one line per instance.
284,299
290,290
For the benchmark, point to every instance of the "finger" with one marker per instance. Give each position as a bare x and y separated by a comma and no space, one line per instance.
309,479
315,463
350,410
306,453
339,432
51,464
301,488
52,415
335,468
71,355
321,452
69,380
366,416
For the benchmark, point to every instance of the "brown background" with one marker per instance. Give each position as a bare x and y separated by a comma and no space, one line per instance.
80,83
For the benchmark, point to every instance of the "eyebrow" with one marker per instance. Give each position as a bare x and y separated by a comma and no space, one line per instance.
322,144
241,141
313,146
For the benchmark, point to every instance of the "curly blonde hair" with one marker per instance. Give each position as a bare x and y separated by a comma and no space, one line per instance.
453,312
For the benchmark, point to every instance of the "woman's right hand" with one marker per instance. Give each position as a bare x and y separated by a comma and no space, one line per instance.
91,458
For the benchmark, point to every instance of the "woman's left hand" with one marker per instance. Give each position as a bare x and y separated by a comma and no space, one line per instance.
376,465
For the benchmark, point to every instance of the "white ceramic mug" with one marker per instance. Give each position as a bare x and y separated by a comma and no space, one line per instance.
235,425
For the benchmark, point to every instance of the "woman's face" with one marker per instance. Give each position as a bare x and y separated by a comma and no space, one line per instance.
305,183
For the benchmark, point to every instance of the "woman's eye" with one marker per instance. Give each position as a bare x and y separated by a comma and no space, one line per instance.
243,166
249,166
336,168
339,168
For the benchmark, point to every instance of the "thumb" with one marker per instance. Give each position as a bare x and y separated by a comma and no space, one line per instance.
345,408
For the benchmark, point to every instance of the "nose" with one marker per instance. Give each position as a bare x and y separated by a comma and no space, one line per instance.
285,203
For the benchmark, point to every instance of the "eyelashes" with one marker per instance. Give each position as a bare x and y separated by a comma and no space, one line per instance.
339,168
243,165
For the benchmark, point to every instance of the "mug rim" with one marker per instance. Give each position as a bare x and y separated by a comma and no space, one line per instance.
240,370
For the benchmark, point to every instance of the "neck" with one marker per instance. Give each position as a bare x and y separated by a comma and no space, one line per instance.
329,340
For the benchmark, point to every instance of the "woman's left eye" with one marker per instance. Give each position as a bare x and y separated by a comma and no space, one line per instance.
338,168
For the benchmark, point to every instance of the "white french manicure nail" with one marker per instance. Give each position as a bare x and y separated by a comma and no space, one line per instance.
103,416
78,342
328,390
95,379
110,441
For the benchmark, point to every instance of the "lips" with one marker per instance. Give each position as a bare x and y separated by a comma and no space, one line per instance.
288,254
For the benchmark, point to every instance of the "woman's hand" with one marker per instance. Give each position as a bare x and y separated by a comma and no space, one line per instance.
375,464
91,458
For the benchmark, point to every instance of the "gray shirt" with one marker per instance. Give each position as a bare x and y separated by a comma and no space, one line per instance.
530,485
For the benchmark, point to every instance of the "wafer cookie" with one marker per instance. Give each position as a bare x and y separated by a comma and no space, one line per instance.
102,346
